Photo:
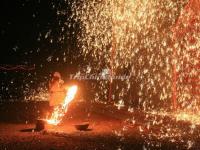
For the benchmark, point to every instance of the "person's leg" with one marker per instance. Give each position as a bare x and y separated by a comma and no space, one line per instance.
50,111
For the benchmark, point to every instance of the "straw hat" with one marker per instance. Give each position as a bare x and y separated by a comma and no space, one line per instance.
56,74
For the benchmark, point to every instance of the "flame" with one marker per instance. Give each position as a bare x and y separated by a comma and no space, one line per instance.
60,111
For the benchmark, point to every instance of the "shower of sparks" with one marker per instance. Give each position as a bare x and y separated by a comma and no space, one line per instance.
187,61
132,37
192,117
60,111
176,127
142,39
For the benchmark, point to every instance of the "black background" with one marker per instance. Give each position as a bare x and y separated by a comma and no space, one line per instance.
24,27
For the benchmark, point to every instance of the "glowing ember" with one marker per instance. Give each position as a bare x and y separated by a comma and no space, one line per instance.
187,116
60,111
193,118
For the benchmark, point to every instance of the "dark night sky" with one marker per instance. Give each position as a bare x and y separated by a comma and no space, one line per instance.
24,25
19,29
30,32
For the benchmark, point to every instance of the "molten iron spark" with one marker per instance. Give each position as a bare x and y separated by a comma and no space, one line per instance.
60,111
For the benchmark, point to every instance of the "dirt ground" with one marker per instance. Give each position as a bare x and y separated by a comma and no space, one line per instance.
109,129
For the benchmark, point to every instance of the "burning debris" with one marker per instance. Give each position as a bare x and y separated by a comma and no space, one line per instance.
59,111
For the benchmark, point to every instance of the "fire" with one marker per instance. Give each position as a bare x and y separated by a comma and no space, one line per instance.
60,111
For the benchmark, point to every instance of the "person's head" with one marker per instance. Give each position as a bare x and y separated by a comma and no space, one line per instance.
56,76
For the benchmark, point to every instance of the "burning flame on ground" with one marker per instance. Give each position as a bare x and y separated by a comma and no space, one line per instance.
60,111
